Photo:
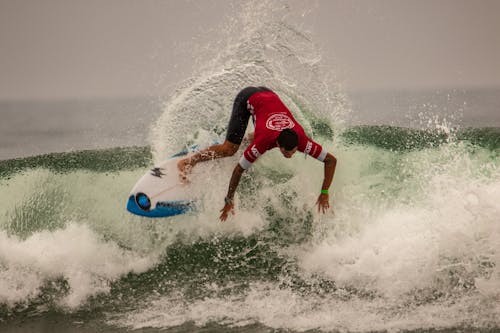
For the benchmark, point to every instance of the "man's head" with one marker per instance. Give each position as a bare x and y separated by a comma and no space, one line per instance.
288,140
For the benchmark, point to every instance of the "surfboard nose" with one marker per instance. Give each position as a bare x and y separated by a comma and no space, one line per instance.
133,207
142,201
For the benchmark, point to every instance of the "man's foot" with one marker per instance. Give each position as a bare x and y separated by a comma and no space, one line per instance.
184,166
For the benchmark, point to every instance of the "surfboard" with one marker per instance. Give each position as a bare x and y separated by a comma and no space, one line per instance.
160,193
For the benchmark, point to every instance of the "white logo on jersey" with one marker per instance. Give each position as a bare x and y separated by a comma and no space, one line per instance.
309,146
255,152
279,121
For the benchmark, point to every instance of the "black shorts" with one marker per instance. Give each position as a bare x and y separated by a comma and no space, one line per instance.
239,116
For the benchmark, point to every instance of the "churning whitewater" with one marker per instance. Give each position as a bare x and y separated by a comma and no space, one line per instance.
412,241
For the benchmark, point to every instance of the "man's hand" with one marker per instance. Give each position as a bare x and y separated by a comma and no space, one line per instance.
323,204
228,208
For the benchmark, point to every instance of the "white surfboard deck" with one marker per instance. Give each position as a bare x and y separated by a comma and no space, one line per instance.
160,192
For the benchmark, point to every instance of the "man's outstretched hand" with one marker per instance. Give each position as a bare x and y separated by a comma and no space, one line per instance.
228,208
323,204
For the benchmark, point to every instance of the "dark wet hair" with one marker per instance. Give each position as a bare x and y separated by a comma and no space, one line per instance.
288,139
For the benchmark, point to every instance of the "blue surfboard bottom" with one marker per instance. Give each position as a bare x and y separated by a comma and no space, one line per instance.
162,209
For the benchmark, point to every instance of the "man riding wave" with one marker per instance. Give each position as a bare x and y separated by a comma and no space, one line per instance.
275,126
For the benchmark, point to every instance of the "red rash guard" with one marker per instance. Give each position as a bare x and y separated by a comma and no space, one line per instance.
271,116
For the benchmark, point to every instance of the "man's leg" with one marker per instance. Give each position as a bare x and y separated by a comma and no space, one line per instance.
216,151
235,132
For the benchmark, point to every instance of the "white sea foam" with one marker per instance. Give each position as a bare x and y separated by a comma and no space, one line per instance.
281,308
86,261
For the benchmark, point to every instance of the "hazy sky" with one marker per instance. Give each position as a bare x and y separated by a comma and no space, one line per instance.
111,48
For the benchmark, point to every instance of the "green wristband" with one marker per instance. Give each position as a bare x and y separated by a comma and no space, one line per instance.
324,191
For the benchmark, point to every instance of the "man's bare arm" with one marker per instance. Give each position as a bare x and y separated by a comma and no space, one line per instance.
323,199
233,185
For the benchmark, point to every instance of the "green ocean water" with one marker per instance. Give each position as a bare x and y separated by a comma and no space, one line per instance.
386,137
413,243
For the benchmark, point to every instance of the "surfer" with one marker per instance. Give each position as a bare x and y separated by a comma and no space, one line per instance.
275,126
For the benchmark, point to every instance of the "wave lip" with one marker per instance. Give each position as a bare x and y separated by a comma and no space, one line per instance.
405,139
